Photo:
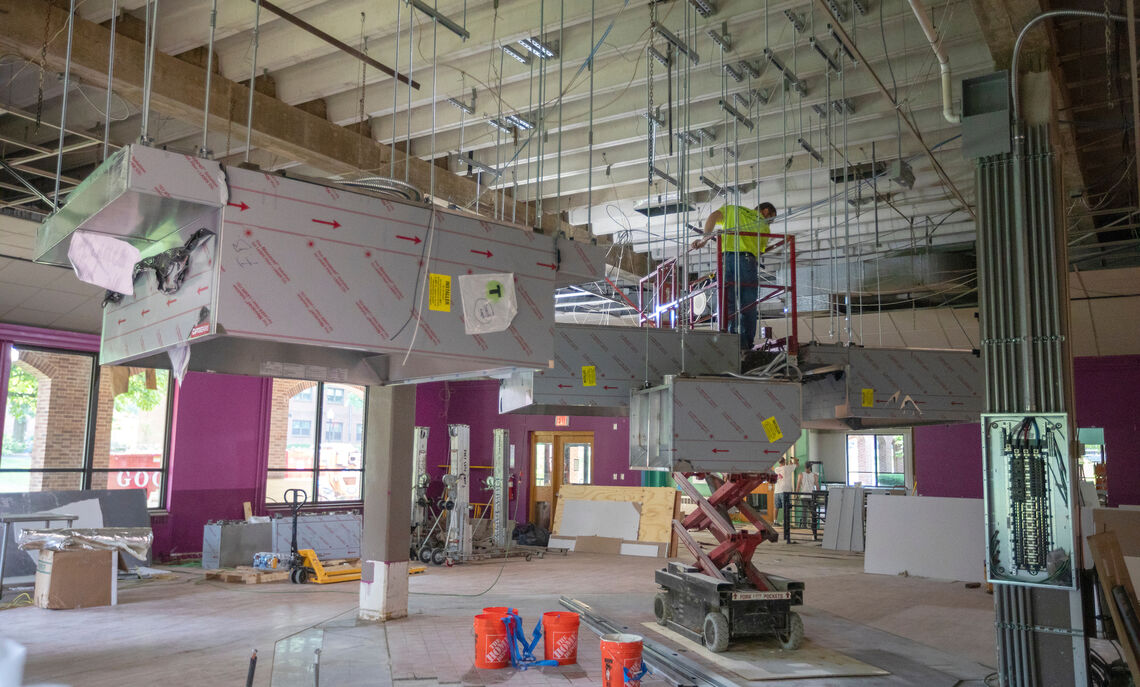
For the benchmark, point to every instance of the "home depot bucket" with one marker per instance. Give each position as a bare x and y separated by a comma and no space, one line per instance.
500,610
491,647
560,640
620,651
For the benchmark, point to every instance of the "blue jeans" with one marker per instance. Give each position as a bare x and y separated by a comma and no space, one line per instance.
741,269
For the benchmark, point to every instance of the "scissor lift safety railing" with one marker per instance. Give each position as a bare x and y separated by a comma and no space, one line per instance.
712,514
662,292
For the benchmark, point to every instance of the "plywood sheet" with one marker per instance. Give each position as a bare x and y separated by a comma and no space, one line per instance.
615,519
1125,522
762,659
1111,570
657,505
925,536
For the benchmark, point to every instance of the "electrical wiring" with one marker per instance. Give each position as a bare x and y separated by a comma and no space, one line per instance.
425,258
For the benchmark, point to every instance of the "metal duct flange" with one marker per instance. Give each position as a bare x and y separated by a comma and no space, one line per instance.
386,186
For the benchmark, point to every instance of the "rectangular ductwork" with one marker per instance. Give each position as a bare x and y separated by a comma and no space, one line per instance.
713,424
597,367
310,280
857,388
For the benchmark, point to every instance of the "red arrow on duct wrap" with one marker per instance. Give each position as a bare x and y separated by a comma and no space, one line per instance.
334,224
565,386
546,264
485,253
413,239
720,450
241,206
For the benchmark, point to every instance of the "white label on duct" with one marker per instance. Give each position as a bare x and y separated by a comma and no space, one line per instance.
489,302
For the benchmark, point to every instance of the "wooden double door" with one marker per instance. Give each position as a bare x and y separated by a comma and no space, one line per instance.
557,458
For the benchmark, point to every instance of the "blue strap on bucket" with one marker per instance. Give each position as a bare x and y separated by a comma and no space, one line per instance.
522,652
629,677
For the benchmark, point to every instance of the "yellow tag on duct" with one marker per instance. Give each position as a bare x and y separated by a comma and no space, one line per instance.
868,398
589,375
772,430
439,292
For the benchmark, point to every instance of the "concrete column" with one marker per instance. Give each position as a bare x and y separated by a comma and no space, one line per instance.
389,439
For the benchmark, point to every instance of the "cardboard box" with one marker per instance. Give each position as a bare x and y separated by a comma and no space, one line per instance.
75,579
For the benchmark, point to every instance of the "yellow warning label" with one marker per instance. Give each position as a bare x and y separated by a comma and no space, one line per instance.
589,375
868,398
772,429
439,292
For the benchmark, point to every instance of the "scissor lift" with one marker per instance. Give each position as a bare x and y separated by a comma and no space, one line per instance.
725,597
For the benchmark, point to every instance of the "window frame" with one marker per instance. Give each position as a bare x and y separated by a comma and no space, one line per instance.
318,437
87,469
908,457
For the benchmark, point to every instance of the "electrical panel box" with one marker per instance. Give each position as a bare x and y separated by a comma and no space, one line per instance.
1028,492
713,424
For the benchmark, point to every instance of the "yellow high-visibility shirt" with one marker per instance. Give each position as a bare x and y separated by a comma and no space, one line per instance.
740,218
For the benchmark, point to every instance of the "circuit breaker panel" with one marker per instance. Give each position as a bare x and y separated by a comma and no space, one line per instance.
1028,487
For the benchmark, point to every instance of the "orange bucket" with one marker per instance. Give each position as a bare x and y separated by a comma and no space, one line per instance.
500,610
491,647
560,637
621,651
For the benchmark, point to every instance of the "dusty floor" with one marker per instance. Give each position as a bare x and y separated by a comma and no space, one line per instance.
921,631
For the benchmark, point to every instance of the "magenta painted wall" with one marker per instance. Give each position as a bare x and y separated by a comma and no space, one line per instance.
219,447
476,404
948,459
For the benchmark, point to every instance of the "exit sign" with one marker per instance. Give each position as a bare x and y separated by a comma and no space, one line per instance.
561,420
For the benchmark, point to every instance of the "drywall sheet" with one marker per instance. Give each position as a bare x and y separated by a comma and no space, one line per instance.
612,519
657,505
843,530
653,550
119,508
943,538
561,543
763,659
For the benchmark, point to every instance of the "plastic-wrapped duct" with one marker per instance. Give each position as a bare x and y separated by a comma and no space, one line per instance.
131,540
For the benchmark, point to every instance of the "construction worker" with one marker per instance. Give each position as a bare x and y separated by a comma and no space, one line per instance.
785,470
741,262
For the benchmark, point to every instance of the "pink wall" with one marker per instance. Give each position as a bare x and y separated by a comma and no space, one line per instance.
948,459
476,403
219,447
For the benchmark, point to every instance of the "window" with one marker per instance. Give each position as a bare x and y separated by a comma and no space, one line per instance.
328,466
69,426
876,460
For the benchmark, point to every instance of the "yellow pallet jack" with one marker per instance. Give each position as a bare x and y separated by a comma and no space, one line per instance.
304,564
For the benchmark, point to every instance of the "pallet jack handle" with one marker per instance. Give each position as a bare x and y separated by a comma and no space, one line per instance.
296,498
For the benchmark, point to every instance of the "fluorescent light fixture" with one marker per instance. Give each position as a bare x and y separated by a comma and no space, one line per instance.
723,41
762,96
749,68
740,117
688,137
664,176
844,106
820,110
501,126
811,151
441,19
475,164
520,122
706,134
705,8
539,48
659,56
824,54
574,294
677,43
730,151
520,56
837,10
860,7
742,100
735,73
797,21
775,61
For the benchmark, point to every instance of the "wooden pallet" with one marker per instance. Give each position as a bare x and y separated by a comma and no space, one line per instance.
245,574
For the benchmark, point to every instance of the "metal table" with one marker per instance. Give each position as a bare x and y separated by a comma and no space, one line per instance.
7,520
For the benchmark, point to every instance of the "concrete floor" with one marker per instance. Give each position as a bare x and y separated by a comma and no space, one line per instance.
922,631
